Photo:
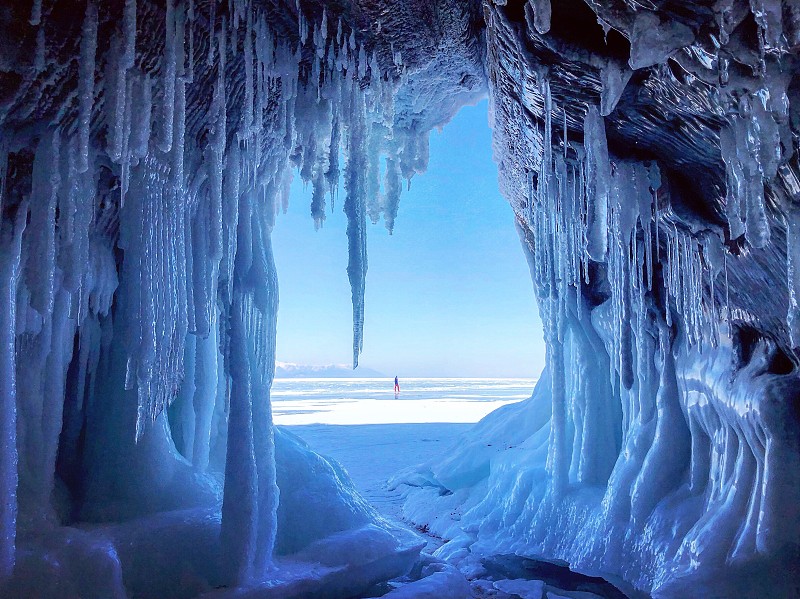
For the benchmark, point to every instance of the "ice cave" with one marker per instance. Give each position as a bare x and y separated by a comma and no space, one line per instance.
649,151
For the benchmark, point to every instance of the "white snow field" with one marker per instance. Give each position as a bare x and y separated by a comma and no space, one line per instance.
374,435
373,401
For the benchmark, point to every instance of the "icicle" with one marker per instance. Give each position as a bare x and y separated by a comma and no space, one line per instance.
393,187
86,83
125,57
129,34
727,290
169,67
374,69
40,275
126,136
362,62
206,372
542,13
179,112
249,97
10,253
793,273
140,125
756,224
36,13
190,16
751,150
40,58
598,173
355,209
372,178
212,19
249,510
3,170
614,77
768,16
218,144
302,26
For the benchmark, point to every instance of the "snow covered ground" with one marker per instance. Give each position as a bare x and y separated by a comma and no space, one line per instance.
361,424
375,435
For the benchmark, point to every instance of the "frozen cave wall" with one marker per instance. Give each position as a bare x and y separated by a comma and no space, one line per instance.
145,148
649,151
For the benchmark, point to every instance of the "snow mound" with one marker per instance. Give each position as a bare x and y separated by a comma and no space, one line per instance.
330,542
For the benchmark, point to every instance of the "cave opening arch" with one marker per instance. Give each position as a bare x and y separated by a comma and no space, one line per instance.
447,291
143,154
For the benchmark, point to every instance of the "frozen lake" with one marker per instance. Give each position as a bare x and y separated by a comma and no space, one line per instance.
373,433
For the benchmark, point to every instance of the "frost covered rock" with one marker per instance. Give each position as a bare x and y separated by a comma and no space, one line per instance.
653,41
438,581
524,589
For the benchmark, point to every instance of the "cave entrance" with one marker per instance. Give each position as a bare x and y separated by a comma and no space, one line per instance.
449,310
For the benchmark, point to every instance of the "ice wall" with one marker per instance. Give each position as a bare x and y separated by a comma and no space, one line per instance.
146,148
650,155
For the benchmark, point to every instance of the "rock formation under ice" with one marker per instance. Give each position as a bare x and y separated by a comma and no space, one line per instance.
649,152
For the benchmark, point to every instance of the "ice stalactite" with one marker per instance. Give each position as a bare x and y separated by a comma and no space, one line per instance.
10,262
598,173
793,274
86,83
751,149
542,12
36,13
356,210
249,519
615,76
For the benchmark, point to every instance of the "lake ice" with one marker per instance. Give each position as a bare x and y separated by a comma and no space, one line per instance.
361,424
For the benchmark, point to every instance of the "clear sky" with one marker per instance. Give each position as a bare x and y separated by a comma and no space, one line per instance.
448,294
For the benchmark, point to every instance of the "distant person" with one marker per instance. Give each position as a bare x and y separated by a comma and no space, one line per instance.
396,385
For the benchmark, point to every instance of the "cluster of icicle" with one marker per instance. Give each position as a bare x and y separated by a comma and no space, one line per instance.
754,146
582,209
199,178
753,152
759,140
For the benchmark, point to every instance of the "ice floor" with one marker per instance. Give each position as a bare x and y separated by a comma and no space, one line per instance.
374,435
371,453
361,424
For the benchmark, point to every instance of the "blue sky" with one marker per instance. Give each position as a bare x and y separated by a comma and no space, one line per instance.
448,294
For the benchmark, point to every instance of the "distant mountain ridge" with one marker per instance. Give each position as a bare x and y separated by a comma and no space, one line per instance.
290,370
